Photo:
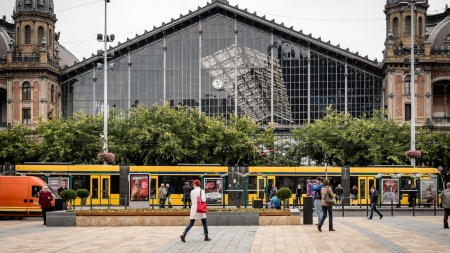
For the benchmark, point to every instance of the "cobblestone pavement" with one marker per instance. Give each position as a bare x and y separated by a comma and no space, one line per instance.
353,234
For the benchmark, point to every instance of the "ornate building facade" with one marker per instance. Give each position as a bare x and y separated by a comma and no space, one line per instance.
432,68
30,64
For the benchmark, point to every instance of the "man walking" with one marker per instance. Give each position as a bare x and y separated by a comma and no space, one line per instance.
162,196
238,190
445,196
168,193
374,201
317,197
339,194
187,194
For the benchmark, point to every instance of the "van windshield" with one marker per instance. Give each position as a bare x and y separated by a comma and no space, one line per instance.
54,193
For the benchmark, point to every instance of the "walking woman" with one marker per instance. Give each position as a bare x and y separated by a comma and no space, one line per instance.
354,196
326,207
197,192
45,202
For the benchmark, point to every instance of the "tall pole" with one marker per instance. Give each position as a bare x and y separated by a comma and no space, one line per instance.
105,90
412,92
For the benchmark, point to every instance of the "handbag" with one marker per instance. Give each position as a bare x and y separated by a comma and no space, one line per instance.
328,199
201,206
53,202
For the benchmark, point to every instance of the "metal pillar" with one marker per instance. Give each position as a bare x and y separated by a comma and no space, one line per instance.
224,183
413,91
129,79
200,67
346,87
95,80
164,72
309,84
271,78
235,69
105,88
245,191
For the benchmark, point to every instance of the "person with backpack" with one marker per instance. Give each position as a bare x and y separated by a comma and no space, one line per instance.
339,195
374,199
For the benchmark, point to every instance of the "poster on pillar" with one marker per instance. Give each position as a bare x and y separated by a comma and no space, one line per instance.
139,189
213,190
59,183
428,191
390,191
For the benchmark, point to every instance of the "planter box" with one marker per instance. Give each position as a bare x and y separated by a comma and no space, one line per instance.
61,219
281,213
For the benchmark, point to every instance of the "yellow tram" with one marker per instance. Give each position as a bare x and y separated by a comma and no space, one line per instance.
108,185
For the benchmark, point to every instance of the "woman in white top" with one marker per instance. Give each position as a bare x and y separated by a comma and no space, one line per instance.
194,215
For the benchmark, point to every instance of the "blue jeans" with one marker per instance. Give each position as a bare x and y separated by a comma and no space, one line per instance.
191,223
326,209
338,200
318,208
238,201
162,203
373,207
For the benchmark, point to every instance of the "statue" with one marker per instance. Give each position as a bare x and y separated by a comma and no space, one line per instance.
57,35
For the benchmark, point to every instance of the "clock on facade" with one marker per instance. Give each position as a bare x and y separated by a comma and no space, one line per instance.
218,84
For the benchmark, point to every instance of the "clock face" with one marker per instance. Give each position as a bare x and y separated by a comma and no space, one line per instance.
218,84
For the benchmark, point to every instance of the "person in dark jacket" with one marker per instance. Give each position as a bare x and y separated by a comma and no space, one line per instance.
354,196
45,202
169,200
298,195
412,196
339,194
238,192
187,195
374,200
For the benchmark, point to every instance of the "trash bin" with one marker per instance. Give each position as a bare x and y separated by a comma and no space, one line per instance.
307,210
257,204
60,204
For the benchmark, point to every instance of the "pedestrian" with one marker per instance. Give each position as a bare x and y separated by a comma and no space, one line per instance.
45,202
197,192
317,197
445,196
412,195
273,192
354,196
168,193
162,192
374,200
275,202
339,194
187,194
326,207
298,195
238,192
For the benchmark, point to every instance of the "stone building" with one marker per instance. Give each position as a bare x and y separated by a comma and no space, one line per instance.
431,57
30,64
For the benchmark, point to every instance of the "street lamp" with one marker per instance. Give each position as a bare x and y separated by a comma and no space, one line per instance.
412,3
106,38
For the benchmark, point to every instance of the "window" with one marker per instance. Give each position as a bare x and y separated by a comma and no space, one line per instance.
35,190
26,91
40,34
395,28
115,184
420,27
50,37
81,182
407,85
27,35
26,116
408,26
52,93
407,112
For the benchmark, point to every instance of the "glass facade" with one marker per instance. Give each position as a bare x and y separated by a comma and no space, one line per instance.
220,65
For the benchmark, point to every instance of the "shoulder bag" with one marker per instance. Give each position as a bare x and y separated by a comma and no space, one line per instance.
328,199
201,206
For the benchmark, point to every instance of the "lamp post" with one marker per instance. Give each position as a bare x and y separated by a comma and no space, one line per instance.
412,3
105,39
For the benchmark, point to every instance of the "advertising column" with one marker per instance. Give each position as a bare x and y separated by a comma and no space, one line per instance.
213,190
139,193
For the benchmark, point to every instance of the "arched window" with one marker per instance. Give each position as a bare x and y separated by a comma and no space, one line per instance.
395,28
408,26
420,27
26,91
40,34
407,85
52,94
27,35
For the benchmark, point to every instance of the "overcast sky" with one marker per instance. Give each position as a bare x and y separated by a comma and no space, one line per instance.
357,24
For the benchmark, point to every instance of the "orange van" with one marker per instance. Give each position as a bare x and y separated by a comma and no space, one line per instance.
19,196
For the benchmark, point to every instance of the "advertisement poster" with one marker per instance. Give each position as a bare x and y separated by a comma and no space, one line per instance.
428,191
390,191
213,190
139,187
58,184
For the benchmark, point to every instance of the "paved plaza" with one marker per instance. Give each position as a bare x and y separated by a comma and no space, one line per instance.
353,234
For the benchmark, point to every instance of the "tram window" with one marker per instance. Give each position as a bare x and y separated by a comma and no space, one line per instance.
174,183
251,184
406,183
371,183
286,182
94,192
35,191
115,185
81,182
105,188
362,188
153,188
262,189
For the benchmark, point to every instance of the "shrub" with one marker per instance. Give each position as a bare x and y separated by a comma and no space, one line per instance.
284,193
68,195
82,193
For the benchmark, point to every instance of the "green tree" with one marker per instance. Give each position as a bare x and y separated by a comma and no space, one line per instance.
18,145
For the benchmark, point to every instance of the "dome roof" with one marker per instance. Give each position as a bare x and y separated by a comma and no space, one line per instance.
389,2
66,58
44,6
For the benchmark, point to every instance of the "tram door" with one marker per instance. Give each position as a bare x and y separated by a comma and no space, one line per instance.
100,189
364,185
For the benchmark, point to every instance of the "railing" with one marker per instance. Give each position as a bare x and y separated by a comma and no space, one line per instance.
441,119
52,61
26,58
